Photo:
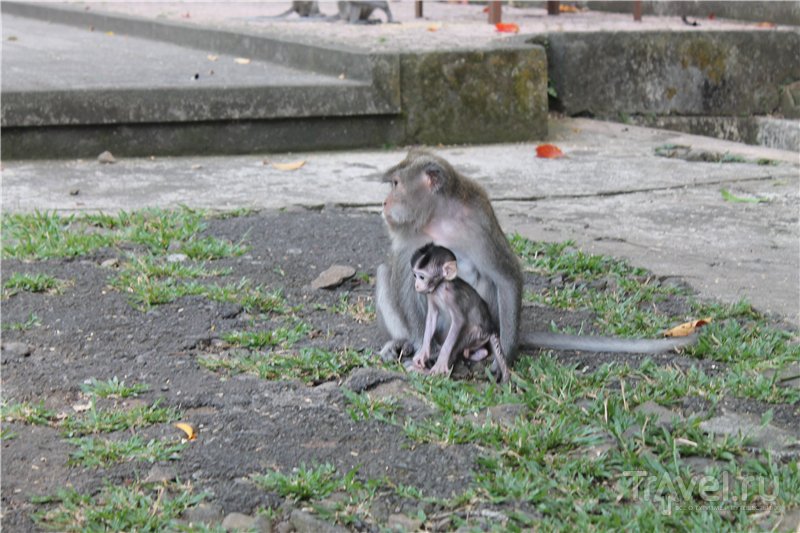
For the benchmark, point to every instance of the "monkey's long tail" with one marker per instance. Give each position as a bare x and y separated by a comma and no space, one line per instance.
589,343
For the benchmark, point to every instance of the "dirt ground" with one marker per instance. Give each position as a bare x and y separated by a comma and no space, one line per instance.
246,425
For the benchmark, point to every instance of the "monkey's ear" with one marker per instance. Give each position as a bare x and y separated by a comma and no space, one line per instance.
435,176
450,270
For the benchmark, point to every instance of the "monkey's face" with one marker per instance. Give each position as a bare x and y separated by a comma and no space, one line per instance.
423,282
410,200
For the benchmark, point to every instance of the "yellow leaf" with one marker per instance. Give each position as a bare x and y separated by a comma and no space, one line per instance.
212,57
191,432
242,60
110,33
289,166
687,328
436,26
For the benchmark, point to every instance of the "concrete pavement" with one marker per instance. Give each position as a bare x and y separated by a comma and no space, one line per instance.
611,194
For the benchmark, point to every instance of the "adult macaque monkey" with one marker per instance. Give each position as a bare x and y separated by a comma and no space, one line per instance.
430,202
471,332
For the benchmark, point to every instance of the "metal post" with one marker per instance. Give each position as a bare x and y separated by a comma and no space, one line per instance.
495,12
637,10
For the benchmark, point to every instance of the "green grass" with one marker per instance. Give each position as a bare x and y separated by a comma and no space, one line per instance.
19,282
33,321
97,420
113,388
304,483
364,407
134,507
282,337
35,414
44,235
94,452
310,365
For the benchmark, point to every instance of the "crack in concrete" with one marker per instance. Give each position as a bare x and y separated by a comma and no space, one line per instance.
606,194
538,198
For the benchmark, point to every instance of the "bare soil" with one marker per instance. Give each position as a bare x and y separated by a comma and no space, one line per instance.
246,425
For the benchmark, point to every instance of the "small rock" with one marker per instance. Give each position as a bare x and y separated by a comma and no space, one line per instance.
230,310
177,258
17,349
283,527
780,442
160,474
788,378
401,522
110,263
238,522
106,158
203,512
305,522
294,251
333,277
367,378
74,192
661,416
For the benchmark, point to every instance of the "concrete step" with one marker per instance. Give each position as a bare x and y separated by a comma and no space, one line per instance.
141,86
73,89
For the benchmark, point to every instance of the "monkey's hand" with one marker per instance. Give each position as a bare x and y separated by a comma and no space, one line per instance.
395,350
421,359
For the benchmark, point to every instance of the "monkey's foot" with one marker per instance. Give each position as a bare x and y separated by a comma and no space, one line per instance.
395,350
440,370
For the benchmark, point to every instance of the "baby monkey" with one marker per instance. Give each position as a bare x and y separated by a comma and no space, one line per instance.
472,332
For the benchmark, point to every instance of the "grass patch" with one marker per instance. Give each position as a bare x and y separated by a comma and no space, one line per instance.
94,452
282,337
33,321
308,484
27,413
363,407
310,365
135,507
19,282
44,235
361,310
106,420
113,388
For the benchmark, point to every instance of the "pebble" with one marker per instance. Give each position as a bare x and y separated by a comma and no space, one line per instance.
305,522
203,512
106,158
333,277
17,349
160,474
177,258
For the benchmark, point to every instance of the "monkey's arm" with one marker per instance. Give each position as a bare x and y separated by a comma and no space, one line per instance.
589,343
424,353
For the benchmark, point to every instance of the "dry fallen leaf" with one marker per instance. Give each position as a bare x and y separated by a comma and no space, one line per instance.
289,166
548,151
507,27
680,441
436,26
568,9
242,60
687,328
212,57
765,25
191,432
110,33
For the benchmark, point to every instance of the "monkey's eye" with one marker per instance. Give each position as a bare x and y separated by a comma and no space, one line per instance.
394,183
